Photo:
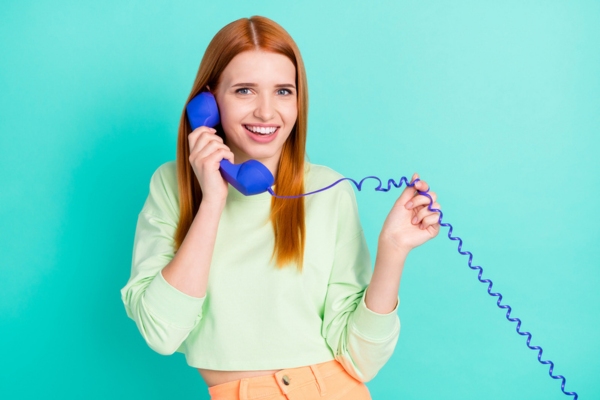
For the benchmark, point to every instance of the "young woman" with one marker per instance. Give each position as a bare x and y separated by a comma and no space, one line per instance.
268,298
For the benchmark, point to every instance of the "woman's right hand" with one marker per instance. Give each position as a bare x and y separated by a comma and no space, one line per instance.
206,152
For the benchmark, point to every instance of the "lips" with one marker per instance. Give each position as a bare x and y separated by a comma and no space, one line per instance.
255,133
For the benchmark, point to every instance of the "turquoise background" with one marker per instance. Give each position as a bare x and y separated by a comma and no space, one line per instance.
495,104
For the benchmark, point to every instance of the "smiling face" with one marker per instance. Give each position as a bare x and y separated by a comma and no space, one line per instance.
258,106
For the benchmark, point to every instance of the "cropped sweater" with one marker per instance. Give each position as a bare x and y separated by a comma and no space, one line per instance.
254,315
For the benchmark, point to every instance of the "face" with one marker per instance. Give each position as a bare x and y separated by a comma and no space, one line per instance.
258,106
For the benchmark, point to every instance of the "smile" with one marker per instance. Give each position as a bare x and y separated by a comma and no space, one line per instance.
261,130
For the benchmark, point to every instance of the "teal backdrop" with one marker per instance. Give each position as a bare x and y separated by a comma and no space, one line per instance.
495,105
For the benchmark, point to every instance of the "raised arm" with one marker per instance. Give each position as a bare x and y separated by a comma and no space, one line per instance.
166,291
408,225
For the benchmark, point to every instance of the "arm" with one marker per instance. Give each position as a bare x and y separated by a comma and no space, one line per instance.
408,225
361,339
361,324
188,271
164,310
167,305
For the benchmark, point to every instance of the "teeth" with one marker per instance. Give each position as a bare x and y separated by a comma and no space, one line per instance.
261,129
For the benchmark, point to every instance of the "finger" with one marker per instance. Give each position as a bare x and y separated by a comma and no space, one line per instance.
202,129
419,185
196,133
436,206
220,154
421,200
200,136
430,220
229,156
423,213
209,149
408,192
204,139
422,186
210,161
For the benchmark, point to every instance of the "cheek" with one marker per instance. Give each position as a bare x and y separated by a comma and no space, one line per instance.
291,114
230,115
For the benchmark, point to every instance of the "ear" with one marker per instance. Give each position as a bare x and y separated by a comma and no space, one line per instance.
208,88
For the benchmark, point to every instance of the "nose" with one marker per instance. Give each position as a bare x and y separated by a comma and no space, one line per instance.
265,107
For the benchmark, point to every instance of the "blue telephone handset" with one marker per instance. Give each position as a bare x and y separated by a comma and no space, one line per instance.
250,177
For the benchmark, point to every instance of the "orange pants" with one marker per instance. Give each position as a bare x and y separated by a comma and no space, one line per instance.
325,381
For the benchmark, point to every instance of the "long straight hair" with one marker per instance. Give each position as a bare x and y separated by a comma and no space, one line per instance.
287,215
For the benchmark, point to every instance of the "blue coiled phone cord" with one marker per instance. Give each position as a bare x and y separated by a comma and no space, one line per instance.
405,181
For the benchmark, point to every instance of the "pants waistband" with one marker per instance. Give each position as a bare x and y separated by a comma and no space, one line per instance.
286,379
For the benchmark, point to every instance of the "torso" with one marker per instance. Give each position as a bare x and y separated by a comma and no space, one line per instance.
305,293
212,377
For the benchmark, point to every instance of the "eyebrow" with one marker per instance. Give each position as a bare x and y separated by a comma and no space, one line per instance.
281,85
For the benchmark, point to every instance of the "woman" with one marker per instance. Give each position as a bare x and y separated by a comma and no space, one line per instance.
266,297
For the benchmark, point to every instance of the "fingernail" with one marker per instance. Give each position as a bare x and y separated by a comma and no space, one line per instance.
414,220
409,205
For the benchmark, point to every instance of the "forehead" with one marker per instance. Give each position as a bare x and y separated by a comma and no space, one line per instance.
259,67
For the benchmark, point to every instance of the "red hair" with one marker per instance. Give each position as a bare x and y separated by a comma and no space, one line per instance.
287,215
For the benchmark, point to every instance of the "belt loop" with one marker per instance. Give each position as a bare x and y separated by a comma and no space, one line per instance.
244,389
319,378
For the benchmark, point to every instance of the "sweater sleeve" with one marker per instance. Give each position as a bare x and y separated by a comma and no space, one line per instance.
361,339
164,315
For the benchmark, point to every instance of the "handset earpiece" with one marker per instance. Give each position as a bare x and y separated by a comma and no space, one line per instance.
202,110
250,177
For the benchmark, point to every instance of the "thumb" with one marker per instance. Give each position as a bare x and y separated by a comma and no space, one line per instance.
409,192
415,176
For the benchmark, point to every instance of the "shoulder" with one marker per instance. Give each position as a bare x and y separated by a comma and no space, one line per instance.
166,173
338,202
318,169
341,195
319,176
163,197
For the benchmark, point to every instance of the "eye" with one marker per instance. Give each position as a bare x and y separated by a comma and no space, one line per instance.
284,92
243,91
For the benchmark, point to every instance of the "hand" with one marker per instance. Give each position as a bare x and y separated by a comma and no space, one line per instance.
206,152
410,223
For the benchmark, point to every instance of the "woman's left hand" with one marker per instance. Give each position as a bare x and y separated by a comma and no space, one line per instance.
410,223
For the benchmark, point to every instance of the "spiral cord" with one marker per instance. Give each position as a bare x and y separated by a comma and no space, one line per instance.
404,180
498,303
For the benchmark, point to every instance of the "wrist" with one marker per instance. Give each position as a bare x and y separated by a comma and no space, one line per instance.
388,245
212,206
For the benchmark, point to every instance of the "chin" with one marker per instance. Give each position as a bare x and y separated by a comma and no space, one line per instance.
260,155
263,152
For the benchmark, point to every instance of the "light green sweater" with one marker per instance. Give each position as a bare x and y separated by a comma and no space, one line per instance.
255,316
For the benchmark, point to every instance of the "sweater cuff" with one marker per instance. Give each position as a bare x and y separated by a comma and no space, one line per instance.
374,325
172,305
